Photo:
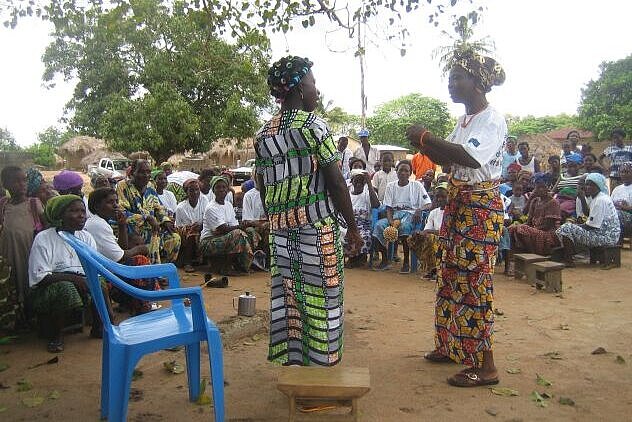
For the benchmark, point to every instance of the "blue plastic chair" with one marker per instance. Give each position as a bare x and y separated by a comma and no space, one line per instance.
124,345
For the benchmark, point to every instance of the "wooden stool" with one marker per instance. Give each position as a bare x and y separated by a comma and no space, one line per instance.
548,276
608,255
523,267
320,385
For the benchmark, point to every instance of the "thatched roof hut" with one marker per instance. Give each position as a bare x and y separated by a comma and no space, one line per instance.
226,152
77,148
94,157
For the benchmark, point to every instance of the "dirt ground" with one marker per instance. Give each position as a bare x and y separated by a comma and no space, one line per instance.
388,327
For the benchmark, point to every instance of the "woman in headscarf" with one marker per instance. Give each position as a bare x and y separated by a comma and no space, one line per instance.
538,234
303,192
37,187
601,227
56,276
167,198
223,236
21,218
189,222
472,222
68,182
566,187
146,216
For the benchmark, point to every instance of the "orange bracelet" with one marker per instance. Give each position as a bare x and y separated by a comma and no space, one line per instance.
421,138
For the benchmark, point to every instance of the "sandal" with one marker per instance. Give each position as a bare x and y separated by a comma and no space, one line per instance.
55,346
437,357
470,379
216,282
405,269
382,267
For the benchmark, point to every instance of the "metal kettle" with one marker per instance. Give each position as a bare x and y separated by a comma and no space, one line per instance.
246,305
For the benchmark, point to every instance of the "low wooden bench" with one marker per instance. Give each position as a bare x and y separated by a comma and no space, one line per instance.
523,265
548,276
318,385
606,256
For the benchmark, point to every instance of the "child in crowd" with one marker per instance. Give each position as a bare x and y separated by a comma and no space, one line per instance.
517,208
504,246
512,177
363,199
384,176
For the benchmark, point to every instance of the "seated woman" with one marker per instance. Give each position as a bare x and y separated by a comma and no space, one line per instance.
145,214
404,200
37,187
363,198
189,221
254,215
602,226
622,198
566,188
537,235
512,177
68,182
425,244
56,276
552,175
103,204
223,236
167,198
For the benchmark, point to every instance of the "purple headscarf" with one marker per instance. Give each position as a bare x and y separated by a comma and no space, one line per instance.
66,180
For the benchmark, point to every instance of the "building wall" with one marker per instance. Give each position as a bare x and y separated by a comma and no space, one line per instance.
16,158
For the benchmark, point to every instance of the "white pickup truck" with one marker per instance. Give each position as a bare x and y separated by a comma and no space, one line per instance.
110,168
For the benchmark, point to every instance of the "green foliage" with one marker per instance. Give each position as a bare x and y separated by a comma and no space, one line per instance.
389,123
157,77
43,154
606,103
339,121
518,126
7,141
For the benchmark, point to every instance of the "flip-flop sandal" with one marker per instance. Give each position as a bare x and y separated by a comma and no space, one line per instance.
55,347
218,283
470,379
318,408
382,267
404,270
437,357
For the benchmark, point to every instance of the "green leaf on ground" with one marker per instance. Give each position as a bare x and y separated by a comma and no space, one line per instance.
24,385
554,355
504,391
256,337
174,367
54,395
620,360
203,399
4,366
538,399
567,401
514,370
542,381
32,401
3,409
137,374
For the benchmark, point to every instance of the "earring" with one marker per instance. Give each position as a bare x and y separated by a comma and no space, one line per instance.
301,95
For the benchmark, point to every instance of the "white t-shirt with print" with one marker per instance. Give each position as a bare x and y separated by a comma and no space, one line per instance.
484,140
361,202
253,207
103,235
217,214
622,193
51,254
435,219
407,198
601,208
187,215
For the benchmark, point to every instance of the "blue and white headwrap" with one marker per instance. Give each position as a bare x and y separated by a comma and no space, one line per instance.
286,73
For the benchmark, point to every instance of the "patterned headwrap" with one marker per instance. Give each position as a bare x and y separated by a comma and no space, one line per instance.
66,180
485,70
56,206
442,185
188,183
155,173
574,158
34,180
599,180
215,180
539,178
286,73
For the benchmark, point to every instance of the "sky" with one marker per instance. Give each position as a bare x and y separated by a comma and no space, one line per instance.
549,50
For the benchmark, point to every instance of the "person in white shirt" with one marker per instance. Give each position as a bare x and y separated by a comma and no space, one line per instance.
384,176
223,239
345,154
189,221
365,152
56,276
254,215
602,226
167,198
622,198
363,199
425,244
473,219
404,200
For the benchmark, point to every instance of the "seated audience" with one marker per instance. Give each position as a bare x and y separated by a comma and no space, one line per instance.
146,216
20,218
68,182
363,198
167,198
622,199
254,215
590,164
56,276
537,235
386,175
566,188
569,154
512,177
223,237
617,154
510,155
428,179
189,222
526,161
518,203
602,226
37,187
404,201
552,175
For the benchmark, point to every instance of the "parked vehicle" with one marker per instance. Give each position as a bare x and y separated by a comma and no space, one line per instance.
243,173
110,168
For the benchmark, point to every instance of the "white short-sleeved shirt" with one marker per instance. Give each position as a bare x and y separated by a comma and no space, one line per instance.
103,235
622,193
215,215
51,254
168,200
435,219
381,179
601,208
210,196
187,215
407,198
361,202
85,202
578,206
484,140
253,207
